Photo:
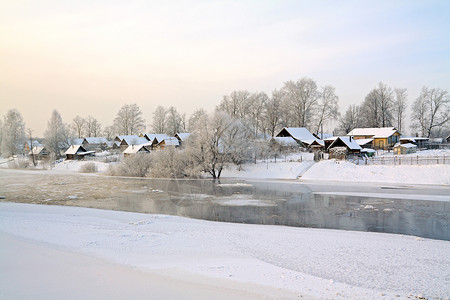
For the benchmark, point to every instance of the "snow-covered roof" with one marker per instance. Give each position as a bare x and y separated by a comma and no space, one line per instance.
318,142
285,141
75,141
368,150
363,142
299,133
171,141
134,140
324,136
73,149
183,135
348,141
408,145
135,149
158,136
380,132
36,150
96,140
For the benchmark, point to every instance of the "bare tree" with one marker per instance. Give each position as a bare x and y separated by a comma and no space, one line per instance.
301,97
159,120
55,135
258,101
129,120
174,121
237,104
350,120
377,107
109,132
197,116
327,108
13,133
205,146
78,124
431,111
93,127
399,107
272,112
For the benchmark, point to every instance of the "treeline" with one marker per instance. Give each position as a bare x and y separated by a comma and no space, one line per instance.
301,103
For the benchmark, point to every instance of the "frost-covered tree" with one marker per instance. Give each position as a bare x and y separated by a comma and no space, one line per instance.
256,115
109,132
174,122
399,107
431,111
327,107
350,120
238,141
78,125
13,133
93,127
197,116
377,107
301,97
273,112
238,104
56,137
205,145
129,120
159,120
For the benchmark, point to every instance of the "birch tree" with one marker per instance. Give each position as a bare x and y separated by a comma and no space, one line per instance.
13,133
377,107
399,107
301,97
327,108
273,112
237,104
350,120
56,135
159,120
93,127
431,111
129,120
78,125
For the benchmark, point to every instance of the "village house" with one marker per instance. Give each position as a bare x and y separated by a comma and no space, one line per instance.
302,135
27,148
182,137
342,146
39,152
383,138
170,142
404,148
284,143
155,138
420,142
134,149
77,152
129,140
95,143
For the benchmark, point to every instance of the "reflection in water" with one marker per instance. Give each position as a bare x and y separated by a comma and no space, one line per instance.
264,202
268,203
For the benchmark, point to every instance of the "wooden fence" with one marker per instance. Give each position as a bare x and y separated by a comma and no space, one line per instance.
405,160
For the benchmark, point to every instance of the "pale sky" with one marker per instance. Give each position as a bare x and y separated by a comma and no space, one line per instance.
91,57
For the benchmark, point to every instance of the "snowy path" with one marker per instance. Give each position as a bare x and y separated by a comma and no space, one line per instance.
310,262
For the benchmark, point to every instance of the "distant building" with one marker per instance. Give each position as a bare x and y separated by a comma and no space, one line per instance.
383,137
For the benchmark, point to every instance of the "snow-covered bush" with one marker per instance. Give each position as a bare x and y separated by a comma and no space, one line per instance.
19,163
89,167
136,165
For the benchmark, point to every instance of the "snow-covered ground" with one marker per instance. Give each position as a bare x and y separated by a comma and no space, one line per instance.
312,263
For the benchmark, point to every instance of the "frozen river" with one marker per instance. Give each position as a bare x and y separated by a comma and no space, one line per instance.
403,209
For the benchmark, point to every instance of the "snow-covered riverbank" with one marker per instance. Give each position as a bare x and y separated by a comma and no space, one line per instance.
308,262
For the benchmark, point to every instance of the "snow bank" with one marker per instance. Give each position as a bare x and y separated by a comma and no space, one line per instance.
333,170
321,263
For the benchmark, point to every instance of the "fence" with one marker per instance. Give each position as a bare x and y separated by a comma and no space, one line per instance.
405,160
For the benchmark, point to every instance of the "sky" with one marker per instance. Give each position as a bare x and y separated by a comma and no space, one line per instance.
92,57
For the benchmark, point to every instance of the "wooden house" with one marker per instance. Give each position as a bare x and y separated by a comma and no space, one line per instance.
420,142
170,142
302,135
135,149
95,143
129,140
77,152
155,138
182,137
404,148
284,144
383,137
346,142
39,152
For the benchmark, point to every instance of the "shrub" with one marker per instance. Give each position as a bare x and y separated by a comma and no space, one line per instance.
136,165
89,167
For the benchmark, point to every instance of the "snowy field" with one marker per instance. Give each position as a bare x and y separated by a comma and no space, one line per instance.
287,262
